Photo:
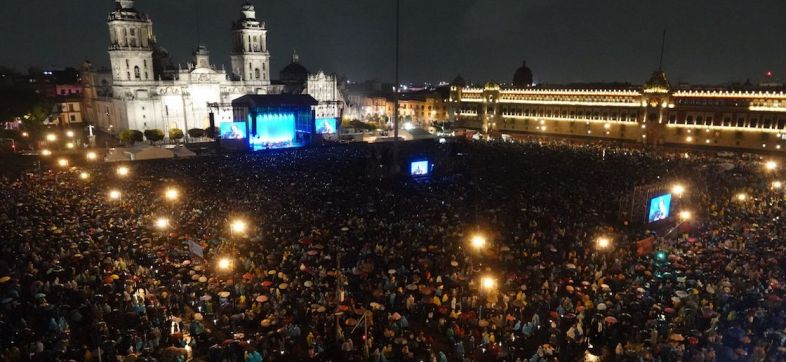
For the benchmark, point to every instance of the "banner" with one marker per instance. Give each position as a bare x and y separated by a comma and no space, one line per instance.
644,246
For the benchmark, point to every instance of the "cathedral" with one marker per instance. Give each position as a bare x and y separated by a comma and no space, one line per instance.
143,90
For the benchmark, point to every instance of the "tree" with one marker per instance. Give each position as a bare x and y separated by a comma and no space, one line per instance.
176,134
154,135
131,136
212,133
196,133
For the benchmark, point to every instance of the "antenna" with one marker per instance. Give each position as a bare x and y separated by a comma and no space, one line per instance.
662,48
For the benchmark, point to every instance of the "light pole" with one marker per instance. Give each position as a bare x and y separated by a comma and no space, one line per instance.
396,96
487,284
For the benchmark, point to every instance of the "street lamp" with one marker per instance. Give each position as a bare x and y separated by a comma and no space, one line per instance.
771,165
162,223
84,175
685,215
122,171
25,134
70,134
114,195
478,242
51,137
678,189
171,194
742,197
70,145
238,226
487,283
62,162
225,264
46,152
776,185
91,156
602,242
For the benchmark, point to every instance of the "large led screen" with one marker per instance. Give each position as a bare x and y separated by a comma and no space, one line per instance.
233,130
325,125
418,168
660,208
275,128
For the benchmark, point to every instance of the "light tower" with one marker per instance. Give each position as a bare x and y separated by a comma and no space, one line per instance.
131,42
250,58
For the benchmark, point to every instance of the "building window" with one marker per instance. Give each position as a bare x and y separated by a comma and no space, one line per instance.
70,107
166,109
128,65
136,72
256,73
145,63
132,31
128,74
73,118
146,76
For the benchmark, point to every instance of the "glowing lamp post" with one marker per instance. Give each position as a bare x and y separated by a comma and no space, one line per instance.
62,162
51,137
742,197
771,165
114,195
487,284
171,194
91,156
478,242
678,190
685,215
238,226
46,152
162,223
777,185
84,176
70,134
122,171
602,243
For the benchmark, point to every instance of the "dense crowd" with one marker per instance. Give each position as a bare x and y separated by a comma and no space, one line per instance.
336,265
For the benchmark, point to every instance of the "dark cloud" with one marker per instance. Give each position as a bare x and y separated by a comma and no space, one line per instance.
710,41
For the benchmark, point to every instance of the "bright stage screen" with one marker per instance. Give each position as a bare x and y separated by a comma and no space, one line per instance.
660,208
418,168
325,125
233,130
275,128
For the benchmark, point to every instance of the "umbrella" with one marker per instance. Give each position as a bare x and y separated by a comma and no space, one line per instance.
681,293
198,316
391,271
5,279
344,228
351,322
265,323
308,284
483,323
248,276
412,287
312,252
610,320
321,309
205,297
203,279
223,294
261,298
676,337
195,277
570,266
40,296
283,286
395,316
601,306
267,283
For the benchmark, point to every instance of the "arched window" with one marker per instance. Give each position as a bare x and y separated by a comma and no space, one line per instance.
136,72
256,73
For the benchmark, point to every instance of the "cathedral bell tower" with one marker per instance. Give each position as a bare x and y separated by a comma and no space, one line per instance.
250,58
131,43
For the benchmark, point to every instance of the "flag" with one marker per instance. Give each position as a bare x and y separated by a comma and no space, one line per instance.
644,246
196,249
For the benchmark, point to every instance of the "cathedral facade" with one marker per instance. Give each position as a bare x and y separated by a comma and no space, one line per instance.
144,91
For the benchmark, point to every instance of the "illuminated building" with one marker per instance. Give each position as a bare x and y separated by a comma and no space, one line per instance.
654,113
146,92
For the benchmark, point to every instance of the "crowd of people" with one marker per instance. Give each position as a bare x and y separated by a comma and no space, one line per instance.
335,265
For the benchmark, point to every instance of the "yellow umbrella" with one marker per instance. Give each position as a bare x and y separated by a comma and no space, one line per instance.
5,279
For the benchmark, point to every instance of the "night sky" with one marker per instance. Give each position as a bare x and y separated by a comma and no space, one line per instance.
709,41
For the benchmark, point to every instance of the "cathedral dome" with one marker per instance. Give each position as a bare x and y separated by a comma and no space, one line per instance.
294,72
523,76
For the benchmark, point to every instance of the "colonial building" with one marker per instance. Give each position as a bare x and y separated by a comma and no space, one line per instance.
144,91
654,113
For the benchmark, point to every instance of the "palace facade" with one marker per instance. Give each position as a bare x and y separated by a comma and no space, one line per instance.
654,113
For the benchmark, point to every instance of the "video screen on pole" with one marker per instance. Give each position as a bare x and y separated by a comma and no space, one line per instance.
419,168
660,208
325,125
233,130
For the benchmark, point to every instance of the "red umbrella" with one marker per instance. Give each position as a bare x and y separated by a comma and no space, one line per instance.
248,276
267,283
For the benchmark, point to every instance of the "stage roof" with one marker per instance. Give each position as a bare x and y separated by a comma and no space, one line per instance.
274,100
